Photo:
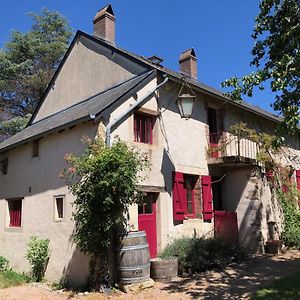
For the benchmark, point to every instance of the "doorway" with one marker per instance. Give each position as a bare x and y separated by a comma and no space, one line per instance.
147,220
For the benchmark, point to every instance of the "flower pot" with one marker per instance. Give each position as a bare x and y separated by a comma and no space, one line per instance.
274,246
164,269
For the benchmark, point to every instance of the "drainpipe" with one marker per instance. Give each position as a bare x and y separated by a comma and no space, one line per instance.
129,110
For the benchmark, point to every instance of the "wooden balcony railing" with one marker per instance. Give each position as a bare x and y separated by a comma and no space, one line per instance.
225,144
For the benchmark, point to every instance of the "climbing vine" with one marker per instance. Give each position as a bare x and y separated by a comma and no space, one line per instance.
104,181
279,179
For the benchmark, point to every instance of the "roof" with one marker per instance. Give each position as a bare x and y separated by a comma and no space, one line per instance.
191,81
85,110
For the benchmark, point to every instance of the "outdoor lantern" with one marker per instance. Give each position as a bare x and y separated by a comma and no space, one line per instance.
185,104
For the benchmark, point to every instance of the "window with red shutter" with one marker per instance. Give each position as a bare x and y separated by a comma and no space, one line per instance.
183,196
207,198
143,128
179,198
15,212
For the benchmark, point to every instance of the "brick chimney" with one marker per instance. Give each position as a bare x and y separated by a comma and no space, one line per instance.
188,63
104,24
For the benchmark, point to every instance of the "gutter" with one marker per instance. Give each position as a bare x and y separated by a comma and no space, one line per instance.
129,111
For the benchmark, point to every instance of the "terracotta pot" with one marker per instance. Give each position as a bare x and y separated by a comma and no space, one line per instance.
164,269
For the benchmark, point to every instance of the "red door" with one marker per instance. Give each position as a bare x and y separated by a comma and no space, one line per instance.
226,225
147,221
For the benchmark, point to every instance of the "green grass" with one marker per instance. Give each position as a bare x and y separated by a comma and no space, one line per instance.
10,278
285,288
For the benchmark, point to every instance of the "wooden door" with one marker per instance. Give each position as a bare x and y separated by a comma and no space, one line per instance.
226,226
147,221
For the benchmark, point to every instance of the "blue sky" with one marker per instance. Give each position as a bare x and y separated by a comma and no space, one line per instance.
219,30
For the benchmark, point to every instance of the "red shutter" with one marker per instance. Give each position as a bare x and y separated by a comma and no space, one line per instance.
207,198
178,197
298,179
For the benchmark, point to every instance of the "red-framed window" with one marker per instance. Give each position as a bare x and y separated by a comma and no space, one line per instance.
15,212
143,128
183,196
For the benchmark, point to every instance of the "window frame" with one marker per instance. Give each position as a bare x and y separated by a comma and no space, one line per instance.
144,132
36,148
56,213
15,224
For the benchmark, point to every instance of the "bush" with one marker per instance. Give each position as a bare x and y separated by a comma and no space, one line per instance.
3,263
199,254
38,255
291,229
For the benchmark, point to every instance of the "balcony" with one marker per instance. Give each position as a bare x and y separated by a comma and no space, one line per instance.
227,149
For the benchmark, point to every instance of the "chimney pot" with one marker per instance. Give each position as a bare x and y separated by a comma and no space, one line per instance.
104,24
188,63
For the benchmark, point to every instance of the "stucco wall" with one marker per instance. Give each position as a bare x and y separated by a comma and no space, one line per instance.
84,74
36,180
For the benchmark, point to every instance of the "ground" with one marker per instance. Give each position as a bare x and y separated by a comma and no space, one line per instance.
237,281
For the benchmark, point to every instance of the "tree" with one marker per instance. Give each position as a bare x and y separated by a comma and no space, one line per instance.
104,181
276,59
29,60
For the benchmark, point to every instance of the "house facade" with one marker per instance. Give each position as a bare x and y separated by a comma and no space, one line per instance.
194,186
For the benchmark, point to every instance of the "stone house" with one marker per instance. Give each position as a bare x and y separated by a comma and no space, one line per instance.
193,187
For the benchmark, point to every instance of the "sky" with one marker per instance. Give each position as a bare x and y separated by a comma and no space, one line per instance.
218,30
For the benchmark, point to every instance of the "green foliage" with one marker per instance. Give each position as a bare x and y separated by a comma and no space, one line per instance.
29,60
38,254
199,254
285,288
291,229
14,125
276,58
10,278
104,181
4,263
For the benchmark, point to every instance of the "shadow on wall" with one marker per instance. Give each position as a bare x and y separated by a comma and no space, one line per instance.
250,228
75,274
167,169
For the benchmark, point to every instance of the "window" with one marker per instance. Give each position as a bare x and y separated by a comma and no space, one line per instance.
59,207
147,204
35,148
4,165
15,212
184,196
143,128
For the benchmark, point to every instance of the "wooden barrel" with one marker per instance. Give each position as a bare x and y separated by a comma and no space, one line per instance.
134,258
164,269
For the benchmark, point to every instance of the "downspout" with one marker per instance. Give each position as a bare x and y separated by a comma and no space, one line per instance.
129,110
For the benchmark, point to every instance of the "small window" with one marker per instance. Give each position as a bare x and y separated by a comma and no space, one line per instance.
143,128
4,165
15,212
59,207
35,148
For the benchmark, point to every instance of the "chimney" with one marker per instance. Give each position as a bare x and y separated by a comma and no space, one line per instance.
104,24
188,63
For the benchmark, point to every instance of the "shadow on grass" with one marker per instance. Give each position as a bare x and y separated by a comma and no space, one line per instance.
239,281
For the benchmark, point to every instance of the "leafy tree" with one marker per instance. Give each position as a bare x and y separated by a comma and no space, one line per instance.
104,181
29,60
276,58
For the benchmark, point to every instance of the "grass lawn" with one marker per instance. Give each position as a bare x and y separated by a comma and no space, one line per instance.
285,288
10,278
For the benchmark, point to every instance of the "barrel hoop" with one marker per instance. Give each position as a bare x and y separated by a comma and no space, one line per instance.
146,266
135,279
135,234
134,247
